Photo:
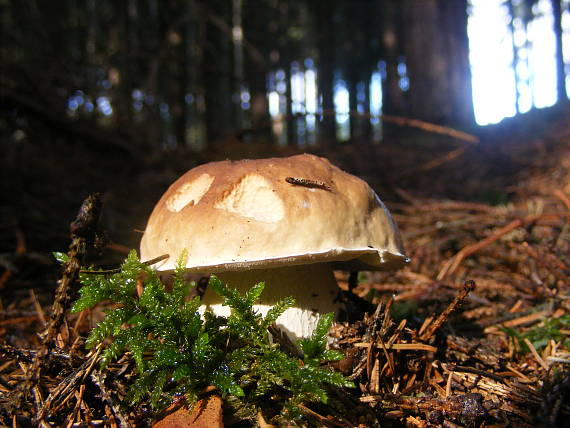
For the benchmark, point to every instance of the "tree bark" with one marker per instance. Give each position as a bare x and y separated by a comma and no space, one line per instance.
255,18
515,54
394,99
237,64
291,122
217,69
560,73
121,75
437,58
179,62
324,12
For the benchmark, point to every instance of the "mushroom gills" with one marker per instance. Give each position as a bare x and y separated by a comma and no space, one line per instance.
313,286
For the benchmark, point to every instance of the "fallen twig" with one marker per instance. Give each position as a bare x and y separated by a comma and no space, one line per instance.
400,346
84,234
68,386
99,380
434,326
452,264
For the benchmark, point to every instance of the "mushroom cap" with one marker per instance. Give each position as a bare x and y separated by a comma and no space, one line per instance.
239,215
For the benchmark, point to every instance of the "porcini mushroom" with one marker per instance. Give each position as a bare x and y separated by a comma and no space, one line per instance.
285,221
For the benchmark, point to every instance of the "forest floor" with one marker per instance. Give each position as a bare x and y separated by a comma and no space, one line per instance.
475,332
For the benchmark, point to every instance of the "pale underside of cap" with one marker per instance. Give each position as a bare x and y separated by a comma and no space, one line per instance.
232,216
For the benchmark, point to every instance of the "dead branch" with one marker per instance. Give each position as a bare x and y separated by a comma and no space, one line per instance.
452,264
434,326
60,123
84,234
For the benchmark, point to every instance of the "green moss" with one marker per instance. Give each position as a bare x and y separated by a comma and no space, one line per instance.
541,334
177,352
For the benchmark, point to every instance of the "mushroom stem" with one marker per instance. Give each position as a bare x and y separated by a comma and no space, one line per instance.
312,285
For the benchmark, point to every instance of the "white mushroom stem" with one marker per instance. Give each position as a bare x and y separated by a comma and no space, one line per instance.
313,286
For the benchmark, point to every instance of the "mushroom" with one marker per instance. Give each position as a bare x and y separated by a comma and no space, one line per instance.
285,221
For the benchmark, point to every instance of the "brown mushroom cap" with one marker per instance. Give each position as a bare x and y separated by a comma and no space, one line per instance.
232,216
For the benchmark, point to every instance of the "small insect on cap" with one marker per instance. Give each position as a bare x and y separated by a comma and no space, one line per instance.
266,213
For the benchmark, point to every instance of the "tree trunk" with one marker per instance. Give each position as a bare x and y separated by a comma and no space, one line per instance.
437,59
367,119
217,70
394,99
324,12
560,74
373,54
291,123
238,66
182,85
124,112
354,118
198,77
515,54
256,17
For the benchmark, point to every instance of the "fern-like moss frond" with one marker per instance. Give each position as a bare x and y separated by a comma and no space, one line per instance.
178,352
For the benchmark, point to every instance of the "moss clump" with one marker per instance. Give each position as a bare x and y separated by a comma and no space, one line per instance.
539,335
178,353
